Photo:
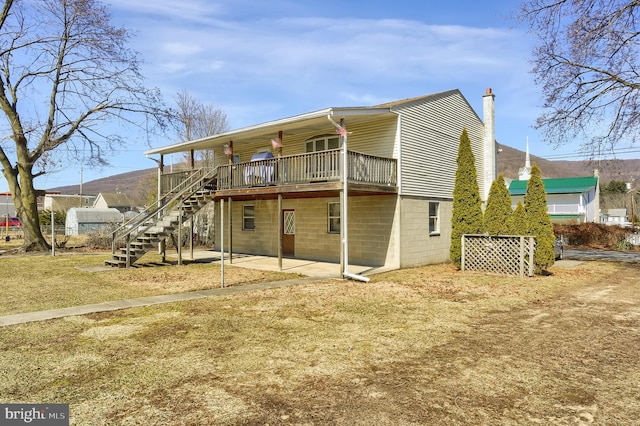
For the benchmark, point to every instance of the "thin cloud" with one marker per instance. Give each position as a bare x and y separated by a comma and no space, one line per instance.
169,10
263,68
308,47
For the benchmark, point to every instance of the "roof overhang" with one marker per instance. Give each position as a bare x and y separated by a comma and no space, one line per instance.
309,122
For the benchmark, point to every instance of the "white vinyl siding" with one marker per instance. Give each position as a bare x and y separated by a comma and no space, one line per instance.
376,137
430,139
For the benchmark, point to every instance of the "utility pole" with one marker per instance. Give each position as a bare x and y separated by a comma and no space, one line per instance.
633,221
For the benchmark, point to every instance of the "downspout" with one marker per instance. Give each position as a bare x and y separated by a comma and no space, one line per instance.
345,196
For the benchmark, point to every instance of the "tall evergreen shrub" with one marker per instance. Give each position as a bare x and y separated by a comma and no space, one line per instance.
498,211
539,222
467,207
517,223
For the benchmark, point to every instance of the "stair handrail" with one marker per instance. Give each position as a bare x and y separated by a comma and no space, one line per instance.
196,180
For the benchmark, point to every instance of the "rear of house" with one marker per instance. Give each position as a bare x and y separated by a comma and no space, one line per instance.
280,187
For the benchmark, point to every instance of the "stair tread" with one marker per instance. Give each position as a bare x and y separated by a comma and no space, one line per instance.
156,230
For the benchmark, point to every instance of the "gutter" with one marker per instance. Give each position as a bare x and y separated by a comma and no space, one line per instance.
343,206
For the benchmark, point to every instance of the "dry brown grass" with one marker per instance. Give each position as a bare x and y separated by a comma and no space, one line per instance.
427,345
39,281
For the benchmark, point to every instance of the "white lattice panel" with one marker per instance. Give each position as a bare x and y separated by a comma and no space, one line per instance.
507,255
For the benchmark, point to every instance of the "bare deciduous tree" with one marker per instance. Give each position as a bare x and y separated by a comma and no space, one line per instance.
198,120
65,71
586,62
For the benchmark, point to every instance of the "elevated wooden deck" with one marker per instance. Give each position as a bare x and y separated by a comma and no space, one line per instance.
317,174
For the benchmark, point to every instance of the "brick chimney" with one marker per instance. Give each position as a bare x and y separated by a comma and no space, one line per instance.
490,159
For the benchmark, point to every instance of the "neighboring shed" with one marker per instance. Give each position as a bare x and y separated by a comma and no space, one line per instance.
85,221
574,199
115,201
63,202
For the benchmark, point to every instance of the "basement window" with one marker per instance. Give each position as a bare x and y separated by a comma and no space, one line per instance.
248,218
434,218
334,218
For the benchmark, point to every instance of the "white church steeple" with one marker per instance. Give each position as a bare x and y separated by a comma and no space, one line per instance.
525,172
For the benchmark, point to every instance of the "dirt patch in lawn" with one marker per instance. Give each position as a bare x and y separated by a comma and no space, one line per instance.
423,346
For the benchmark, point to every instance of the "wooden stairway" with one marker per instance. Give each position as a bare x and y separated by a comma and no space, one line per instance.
147,230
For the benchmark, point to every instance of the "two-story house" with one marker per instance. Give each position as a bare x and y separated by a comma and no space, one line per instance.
363,185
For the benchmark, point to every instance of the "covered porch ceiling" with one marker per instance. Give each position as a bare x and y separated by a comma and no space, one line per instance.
317,121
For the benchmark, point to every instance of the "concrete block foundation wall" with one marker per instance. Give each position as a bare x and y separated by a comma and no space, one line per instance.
417,246
371,224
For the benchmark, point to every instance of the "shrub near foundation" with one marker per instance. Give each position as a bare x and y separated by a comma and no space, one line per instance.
497,215
539,221
467,216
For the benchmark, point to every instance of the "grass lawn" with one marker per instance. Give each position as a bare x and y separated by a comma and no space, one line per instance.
40,282
429,345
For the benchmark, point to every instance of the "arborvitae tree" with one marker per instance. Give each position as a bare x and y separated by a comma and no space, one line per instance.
467,207
539,222
517,223
498,210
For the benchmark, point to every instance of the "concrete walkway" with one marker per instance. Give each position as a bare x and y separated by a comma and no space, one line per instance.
309,271
145,301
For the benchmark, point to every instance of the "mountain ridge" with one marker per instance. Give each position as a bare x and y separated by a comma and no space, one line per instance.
137,184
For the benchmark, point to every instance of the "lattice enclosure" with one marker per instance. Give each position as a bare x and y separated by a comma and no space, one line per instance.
507,255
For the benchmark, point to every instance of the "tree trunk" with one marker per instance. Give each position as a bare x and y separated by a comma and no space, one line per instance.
25,200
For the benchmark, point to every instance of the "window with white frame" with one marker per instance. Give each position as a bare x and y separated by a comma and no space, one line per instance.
334,218
322,143
434,218
248,218
321,166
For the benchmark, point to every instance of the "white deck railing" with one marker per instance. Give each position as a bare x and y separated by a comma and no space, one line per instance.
324,166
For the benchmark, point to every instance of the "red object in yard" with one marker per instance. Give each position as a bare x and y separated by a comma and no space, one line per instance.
12,221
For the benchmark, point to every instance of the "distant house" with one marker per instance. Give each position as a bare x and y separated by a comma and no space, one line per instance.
569,200
85,221
575,199
121,202
615,217
62,203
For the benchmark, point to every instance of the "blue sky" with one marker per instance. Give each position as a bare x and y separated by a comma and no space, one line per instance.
260,61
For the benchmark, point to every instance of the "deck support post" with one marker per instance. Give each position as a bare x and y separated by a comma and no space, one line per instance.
230,231
280,231
222,242
180,234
